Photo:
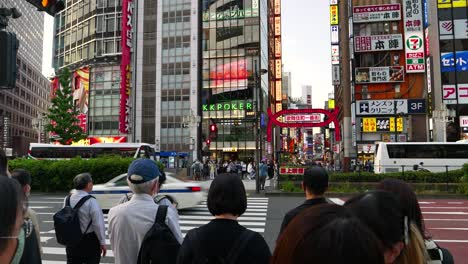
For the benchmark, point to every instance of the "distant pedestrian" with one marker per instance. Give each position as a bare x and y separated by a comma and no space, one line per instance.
132,222
32,247
314,184
410,205
12,235
197,170
262,174
3,164
93,241
244,169
206,170
223,239
327,233
212,166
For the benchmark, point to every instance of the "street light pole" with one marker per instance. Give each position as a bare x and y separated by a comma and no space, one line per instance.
257,130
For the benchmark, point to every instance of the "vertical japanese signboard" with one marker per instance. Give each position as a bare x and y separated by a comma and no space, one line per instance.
414,36
125,66
334,15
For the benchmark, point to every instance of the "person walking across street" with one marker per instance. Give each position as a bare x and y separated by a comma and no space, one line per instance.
197,170
130,222
223,239
262,174
93,241
32,247
314,184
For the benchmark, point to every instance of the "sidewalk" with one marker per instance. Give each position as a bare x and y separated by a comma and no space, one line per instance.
248,184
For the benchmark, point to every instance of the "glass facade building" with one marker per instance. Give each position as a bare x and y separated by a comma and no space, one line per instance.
234,49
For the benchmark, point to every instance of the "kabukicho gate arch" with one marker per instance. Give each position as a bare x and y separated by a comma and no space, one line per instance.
332,117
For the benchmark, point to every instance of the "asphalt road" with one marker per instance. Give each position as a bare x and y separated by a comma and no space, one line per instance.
446,220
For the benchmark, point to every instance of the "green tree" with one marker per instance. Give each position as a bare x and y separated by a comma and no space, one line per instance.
63,115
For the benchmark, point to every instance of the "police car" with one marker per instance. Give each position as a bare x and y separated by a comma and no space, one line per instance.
185,194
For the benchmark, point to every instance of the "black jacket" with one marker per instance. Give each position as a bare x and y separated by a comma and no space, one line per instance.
216,239
294,212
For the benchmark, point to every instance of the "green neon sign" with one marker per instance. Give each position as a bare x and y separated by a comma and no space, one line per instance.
228,106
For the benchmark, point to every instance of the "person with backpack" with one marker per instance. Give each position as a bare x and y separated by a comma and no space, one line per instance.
140,230
223,239
197,169
80,224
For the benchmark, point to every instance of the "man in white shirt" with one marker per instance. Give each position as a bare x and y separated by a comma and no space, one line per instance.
92,224
129,222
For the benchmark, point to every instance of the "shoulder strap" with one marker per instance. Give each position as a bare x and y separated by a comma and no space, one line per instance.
82,201
239,245
67,200
161,214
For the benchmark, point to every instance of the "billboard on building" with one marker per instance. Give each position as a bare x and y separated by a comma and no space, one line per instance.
376,13
381,124
334,15
414,36
228,77
378,43
335,54
380,74
231,10
451,3
80,89
456,29
455,94
125,65
451,62
390,107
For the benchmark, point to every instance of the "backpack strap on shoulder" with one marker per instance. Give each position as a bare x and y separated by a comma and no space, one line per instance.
238,246
67,200
82,201
161,214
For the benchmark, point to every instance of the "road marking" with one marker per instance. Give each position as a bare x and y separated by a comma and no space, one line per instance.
248,203
59,262
44,239
61,251
203,209
38,213
450,228
451,241
434,219
48,232
248,206
443,207
40,207
455,202
46,202
426,202
447,213
337,201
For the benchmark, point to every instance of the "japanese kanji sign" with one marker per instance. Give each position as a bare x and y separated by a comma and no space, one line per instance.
335,54
314,118
334,35
376,13
387,107
451,63
291,171
378,43
380,74
456,29
414,36
381,124
451,3
333,15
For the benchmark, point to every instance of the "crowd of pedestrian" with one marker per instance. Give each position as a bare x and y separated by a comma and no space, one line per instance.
380,226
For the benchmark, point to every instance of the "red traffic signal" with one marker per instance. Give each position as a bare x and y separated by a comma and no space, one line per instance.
213,128
208,142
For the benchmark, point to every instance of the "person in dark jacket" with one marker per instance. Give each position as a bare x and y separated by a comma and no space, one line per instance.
314,184
223,240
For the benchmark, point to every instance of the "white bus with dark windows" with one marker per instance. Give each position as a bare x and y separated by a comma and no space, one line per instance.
54,152
420,156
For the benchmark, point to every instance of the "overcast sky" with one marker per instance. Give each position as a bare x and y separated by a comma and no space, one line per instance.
306,46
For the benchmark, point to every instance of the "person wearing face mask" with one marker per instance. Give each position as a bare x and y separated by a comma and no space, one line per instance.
12,235
32,249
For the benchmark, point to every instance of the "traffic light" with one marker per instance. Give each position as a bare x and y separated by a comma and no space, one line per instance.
208,142
51,7
9,45
213,131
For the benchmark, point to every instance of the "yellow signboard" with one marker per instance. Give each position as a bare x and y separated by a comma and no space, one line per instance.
452,3
399,124
331,104
334,15
369,124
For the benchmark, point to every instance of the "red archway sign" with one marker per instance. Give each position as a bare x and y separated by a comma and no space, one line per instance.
332,117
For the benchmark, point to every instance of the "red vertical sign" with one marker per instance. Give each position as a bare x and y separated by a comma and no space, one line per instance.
125,66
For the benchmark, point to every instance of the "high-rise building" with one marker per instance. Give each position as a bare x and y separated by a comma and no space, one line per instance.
307,94
23,106
234,90
287,85
87,40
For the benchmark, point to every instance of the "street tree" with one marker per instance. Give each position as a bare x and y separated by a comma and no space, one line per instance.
63,115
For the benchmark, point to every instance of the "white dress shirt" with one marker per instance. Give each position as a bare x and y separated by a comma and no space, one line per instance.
90,210
129,223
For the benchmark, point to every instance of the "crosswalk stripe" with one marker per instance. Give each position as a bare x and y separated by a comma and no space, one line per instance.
45,202
59,262
61,251
40,207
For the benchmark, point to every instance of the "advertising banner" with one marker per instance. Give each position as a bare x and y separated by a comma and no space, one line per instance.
378,43
334,15
451,63
335,54
125,65
235,10
376,13
463,121
380,74
314,118
452,95
366,148
381,124
80,89
456,29
334,35
387,107
229,77
291,171
451,3
414,36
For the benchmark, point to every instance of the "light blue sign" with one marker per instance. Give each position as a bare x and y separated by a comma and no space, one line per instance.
451,63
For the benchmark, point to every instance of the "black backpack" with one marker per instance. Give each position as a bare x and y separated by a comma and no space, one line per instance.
159,244
67,223
232,258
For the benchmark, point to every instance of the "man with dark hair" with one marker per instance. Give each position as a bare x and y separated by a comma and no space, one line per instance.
314,184
93,242
32,247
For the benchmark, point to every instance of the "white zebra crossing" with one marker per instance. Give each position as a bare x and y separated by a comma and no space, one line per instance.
254,219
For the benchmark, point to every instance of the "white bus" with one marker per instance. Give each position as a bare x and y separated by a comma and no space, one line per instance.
53,152
427,156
